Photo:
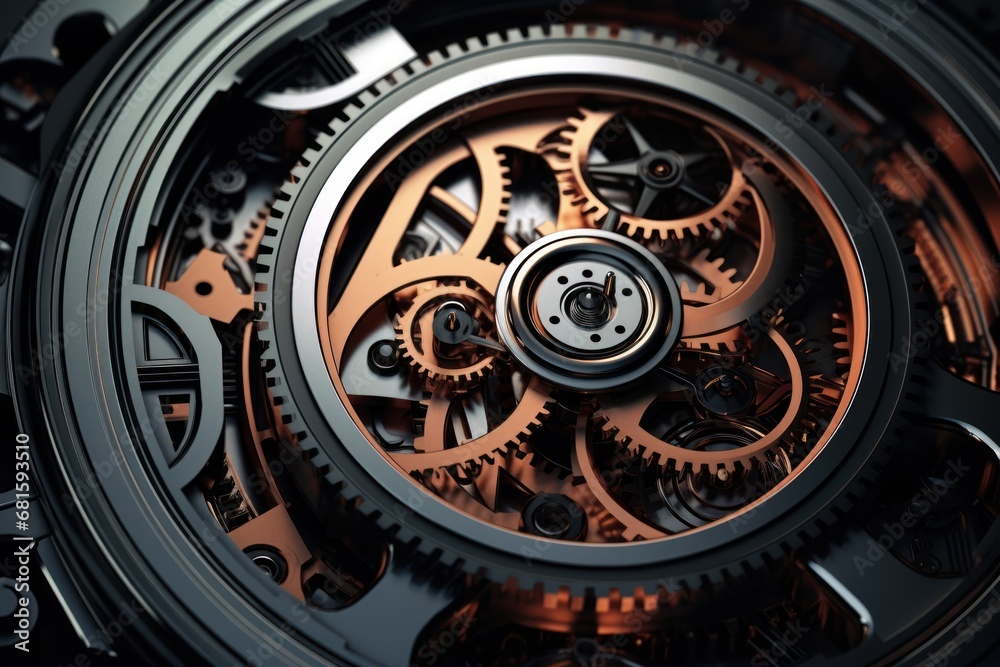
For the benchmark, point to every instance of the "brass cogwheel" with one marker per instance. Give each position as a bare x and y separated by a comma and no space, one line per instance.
713,282
462,363
622,419
435,449
578,175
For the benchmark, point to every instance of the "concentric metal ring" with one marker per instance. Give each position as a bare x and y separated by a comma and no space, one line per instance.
573,353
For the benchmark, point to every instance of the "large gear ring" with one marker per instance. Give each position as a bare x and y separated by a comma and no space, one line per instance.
464,438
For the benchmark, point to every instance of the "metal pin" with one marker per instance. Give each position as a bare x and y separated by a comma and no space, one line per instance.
610,281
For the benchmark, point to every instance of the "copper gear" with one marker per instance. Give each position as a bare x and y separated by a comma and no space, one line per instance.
414,335
621,418
633,527
712,274
528,468
430,448
378,262
570,161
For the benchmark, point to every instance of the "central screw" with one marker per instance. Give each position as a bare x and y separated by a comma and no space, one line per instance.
591,300
661,169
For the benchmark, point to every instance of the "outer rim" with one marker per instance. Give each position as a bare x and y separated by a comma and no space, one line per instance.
59,428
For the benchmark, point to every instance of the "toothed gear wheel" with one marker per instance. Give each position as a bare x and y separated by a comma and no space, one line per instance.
697,203
713,281
622,418
574,343
431,452
466,309
748,203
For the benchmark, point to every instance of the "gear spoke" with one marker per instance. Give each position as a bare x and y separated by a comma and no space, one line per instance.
689,188
638,139
623,169
692,159
770,270
647,198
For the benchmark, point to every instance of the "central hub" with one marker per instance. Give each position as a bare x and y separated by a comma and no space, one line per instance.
576,310
662,170
588,310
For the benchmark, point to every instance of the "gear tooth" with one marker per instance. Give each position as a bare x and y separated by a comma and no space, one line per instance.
535,33
789,97
515,35
770,85
351,111
731,64
415,67
602,31
494,40
630,534
403,73
644,37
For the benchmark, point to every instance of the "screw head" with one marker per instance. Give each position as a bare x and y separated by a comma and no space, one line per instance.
384,357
